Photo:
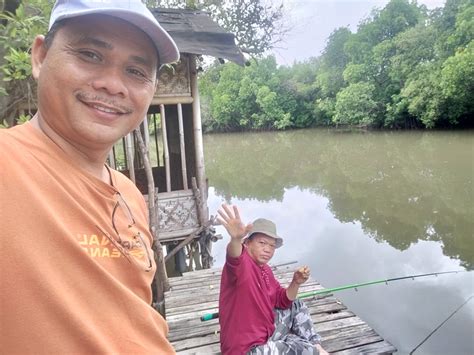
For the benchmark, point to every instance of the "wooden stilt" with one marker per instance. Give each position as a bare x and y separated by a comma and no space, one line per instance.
199,147
112,158
182,147
130,154
165,148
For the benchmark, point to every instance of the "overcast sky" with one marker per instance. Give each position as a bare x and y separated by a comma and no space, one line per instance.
312,21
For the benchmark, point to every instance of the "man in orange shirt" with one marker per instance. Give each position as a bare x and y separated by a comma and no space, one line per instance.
75,255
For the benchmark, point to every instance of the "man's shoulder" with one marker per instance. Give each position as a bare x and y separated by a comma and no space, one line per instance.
7,134
24,130
11,138
120,177
124,184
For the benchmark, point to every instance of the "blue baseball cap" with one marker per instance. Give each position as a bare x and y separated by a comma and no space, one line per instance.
132,11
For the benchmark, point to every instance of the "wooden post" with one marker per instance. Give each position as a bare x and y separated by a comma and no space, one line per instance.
112,158
205,241
199,149
165,148
130,155
146,133
161,278
182,147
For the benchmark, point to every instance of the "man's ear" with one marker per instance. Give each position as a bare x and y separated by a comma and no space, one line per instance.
38,53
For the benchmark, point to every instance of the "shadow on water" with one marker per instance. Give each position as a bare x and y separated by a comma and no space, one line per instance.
402,187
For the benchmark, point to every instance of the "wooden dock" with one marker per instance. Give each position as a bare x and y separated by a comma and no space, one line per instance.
196,293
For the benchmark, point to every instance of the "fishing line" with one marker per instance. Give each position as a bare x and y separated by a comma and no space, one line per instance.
441,324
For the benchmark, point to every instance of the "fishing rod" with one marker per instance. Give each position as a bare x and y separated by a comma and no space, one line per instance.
441,324
210,316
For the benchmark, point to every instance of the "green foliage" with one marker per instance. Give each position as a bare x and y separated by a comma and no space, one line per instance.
354,73
333,61
355,105
325,109
457,84
405,67
258,96
422,95
17,32
17,66
20,120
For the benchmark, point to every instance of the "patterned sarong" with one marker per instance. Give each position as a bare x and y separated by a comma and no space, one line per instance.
294,333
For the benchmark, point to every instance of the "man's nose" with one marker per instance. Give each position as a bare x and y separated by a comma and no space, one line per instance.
112,81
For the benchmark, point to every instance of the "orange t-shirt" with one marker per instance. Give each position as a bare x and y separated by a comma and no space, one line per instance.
67,285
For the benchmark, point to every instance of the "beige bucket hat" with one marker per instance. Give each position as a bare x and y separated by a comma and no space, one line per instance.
267,227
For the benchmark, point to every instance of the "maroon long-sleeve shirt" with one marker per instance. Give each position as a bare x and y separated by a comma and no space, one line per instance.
249,294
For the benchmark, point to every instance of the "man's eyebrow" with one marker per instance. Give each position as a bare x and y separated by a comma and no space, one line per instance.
94,41
105,45
141,60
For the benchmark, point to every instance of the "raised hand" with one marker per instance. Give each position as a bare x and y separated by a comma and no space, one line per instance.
230,219
301,275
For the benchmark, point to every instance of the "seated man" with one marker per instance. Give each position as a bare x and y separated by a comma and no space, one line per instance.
256,314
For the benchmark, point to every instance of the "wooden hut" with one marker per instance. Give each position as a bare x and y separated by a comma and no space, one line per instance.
173,136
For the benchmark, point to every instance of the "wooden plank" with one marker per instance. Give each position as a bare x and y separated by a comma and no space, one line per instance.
173,100
277,270
190,328
182,296
339,324
348,338
177,235
195,332
203,285
327,309
186,328
195,342
188,297
331,305
203,350
172,195
208,280
212,275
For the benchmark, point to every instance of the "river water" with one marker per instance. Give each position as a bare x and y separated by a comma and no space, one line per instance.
362,206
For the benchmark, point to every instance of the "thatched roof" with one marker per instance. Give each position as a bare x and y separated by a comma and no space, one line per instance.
195,32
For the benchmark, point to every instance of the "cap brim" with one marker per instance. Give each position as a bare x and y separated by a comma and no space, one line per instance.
279,240
167,50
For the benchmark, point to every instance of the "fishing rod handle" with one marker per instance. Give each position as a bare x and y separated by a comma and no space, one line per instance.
209,316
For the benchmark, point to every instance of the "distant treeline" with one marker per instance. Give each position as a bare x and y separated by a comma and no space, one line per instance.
405,67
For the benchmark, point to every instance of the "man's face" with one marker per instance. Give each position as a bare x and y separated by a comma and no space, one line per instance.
95,81
261,248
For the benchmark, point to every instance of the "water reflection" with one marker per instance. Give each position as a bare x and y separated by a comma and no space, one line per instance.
357,207
403,312
400,187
